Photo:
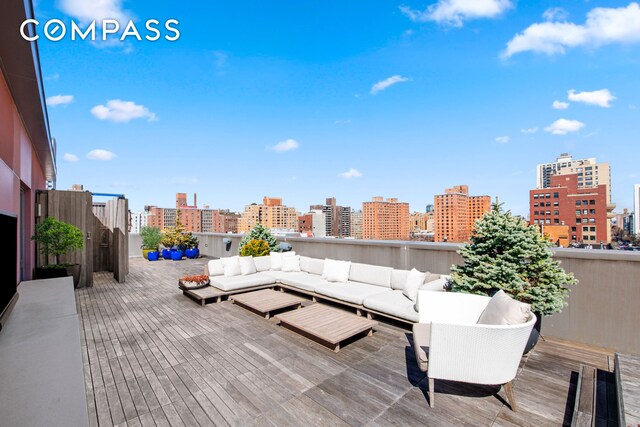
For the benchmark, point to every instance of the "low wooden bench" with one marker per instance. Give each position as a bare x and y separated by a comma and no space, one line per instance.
267,300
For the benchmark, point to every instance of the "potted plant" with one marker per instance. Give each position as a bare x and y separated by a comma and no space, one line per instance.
169,240
259,232
506,253
193,282
151,239
191,242
255,248
57,238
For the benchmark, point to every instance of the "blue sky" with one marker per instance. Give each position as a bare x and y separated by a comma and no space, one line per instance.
391,98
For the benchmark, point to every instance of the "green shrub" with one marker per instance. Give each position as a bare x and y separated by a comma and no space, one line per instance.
506,253
259,232
151,238
255,247
58,237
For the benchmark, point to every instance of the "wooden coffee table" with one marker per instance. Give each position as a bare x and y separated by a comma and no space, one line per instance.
267,300
326,325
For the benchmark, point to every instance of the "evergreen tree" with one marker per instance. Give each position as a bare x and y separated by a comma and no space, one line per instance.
259,232
506,253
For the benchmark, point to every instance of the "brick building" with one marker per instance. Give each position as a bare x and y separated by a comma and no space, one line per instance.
385,219
337,218
271,213
192,218
455,213
305,223
585,211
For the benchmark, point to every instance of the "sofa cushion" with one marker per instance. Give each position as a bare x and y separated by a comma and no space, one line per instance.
421,342
291,263
312,265
240,282
399,279
434,285
276,259
393,303
336,271
263,263
247,266
231,266
504,310
371,274
278,275
351,292
304,281
415,279
215,267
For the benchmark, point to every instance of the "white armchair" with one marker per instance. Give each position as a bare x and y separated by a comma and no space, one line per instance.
451,345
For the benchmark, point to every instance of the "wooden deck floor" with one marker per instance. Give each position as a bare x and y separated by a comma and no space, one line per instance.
154,357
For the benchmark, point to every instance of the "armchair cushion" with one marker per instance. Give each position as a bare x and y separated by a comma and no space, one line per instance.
421,338
504,310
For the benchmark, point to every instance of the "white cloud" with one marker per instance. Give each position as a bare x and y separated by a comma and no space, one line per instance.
564,126
351,173
555,14
503,139
559,105
455,12
601,97
383,84
100,154
342,122
220,57
286,145
120,111
529,130
98,10
55,76
603,26
68,157
52,101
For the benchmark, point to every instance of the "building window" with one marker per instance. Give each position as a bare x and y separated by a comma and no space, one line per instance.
585,229
577,202
547,196
585,212
584,220
593,229
592,211
555,195
556,212
548,212
573,229
535,221
535,196
592,220
578,221
573,237
535,212
548,204
547,221
592,202
592,237
535,205
555,203
556,221
578,212
584,202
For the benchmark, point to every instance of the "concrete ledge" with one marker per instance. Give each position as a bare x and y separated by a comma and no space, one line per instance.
41,358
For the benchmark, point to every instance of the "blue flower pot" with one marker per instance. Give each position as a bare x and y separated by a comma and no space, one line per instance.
176,255
153,255
166,253
192,253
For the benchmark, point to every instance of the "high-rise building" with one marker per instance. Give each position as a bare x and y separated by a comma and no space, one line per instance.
356,224
419,221
455,213
590,173
636,209
137,221
272,214
305,224
585,211
193,219
161,217
337,218
385,219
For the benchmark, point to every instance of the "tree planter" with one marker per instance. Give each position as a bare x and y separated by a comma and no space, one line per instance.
176,255
535,334
192,253
166,253
52,273
153,255
145,253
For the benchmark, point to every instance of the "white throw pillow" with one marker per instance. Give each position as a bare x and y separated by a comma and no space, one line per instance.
291,263
336,271
415,279
263,263
276,259
231,266
247,266
215,267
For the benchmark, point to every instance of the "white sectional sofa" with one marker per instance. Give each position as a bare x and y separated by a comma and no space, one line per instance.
370,288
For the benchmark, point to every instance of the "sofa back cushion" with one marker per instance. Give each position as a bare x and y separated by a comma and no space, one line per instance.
215,267
231,266
336,271
311,265
247,266
399,278
415,279
371,274
276,259
504,310
291,263
263,263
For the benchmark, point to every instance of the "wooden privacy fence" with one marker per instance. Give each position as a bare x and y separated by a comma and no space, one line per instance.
104,225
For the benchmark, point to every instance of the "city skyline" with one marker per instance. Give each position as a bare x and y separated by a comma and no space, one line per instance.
406,103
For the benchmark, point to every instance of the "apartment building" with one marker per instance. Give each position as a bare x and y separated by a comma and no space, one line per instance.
455,213
590,173
337,218
137,221
385,219
271,213
356,224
